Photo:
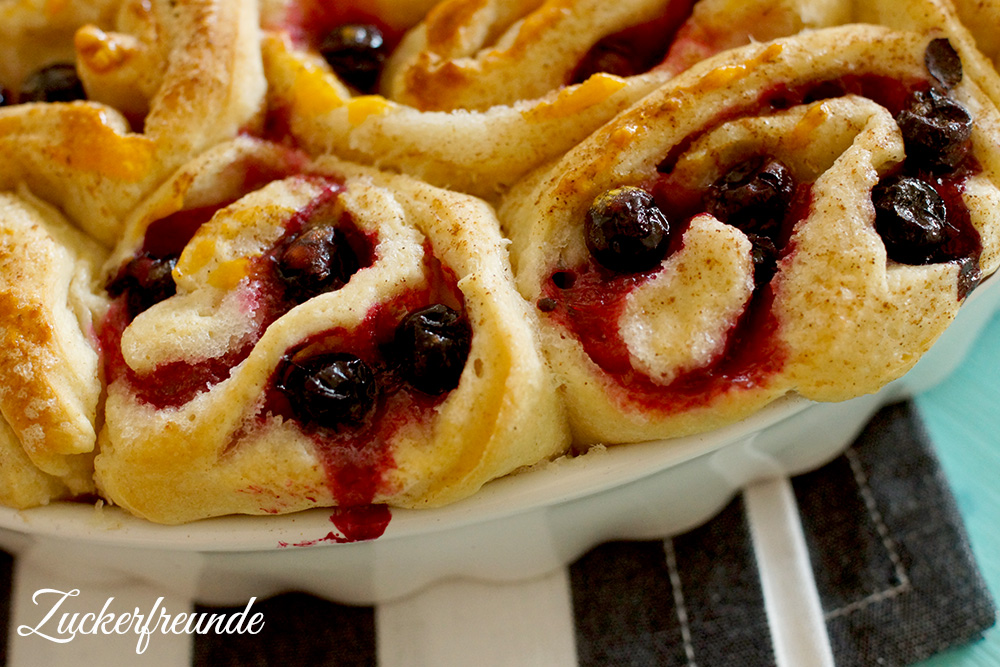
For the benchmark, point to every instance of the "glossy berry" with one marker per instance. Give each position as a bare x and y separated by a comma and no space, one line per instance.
432,345
911,218
625,231
764,256
943,62
936,130
356,52
318,260
55,83
144,280
331,390
6,98
753,196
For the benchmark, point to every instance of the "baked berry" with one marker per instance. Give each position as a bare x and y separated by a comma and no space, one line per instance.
6,98
752,196
55,83
911,217
356,52
609,57
318,260
546,304
144,280
764,255
432,345
626,231
943,62
936,130
969,276
330,390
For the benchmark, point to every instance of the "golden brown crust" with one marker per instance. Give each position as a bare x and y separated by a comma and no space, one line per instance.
48,363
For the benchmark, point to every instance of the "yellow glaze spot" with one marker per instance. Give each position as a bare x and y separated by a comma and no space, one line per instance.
362,107
228,274
90,144
98,50
196,256
317,92
721,77
575,99
805,129
55,7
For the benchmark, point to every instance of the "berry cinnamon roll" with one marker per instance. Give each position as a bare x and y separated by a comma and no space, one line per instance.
803,215
328,336
134,95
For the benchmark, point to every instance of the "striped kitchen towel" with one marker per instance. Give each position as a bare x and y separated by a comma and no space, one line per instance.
862,562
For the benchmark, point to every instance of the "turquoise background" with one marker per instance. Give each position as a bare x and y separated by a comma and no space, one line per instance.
963,417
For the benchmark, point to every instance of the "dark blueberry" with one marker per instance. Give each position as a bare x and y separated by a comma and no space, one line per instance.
331,390
55,83
625,230
943,62
610,56
911,217
432,345
752,196
765,258
356,52
936,130
318,260
969,276
6,98
144,280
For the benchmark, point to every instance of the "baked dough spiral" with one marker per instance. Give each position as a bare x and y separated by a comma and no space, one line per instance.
700,339
198,421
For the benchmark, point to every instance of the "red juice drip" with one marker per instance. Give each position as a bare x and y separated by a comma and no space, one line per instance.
356,524
635,49
361,523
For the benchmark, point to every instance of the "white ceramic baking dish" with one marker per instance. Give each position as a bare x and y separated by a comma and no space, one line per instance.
517,527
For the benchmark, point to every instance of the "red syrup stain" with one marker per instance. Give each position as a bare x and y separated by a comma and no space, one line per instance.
307,22
591,305
636,49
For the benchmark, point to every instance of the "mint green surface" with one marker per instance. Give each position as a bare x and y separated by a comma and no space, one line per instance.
963,417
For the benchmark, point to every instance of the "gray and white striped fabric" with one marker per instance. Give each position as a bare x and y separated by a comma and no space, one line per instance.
862,562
